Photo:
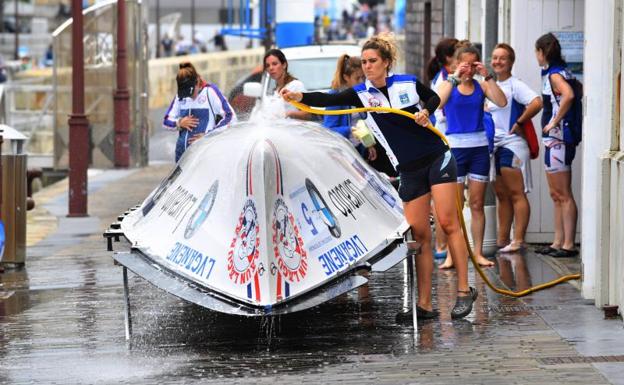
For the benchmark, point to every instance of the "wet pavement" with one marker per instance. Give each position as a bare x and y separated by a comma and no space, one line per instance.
61,321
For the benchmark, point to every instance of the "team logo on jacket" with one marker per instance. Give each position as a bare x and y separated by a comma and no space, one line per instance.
288,246
404,98
201,99
374,102
244,249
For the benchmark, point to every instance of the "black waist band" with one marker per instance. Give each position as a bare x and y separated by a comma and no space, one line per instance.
421,162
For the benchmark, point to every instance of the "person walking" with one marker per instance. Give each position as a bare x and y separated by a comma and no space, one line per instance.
463,99
198,108
511,152
558,97
426,166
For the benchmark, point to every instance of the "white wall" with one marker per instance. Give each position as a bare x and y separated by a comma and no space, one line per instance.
527,21
600,107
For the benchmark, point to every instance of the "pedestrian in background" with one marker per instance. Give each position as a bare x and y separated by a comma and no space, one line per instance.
426,166
276,65
463,99
198,108
558,98
512,160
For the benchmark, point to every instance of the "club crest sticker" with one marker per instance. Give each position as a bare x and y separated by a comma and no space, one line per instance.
244,249
374,102
202,211
290,254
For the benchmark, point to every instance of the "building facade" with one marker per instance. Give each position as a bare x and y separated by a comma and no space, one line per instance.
591,34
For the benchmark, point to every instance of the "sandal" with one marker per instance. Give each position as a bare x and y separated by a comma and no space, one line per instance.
545,250
564,253
463,304
421,314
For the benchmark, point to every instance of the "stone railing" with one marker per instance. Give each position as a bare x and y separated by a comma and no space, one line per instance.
221,68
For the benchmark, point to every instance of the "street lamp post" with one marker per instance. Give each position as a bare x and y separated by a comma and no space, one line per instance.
16,29
157,28
78,122
122,95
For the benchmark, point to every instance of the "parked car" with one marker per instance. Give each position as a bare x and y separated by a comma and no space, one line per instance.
242,104
313,65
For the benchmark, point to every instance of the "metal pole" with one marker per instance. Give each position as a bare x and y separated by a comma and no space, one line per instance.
127,316
412,285
1,16
193,21
268,38
121,95
157,28
1,141
449,18
16,29
78,122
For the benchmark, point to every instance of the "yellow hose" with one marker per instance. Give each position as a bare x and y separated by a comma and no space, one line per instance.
509,293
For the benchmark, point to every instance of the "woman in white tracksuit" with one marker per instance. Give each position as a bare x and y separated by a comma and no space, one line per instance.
197,109
512,160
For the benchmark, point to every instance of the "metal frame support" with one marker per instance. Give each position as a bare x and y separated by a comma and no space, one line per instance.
411,279
127,316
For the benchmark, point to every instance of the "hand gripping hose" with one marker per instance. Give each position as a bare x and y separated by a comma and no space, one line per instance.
509,293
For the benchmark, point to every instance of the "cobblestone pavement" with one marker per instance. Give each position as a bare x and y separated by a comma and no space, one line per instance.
61,321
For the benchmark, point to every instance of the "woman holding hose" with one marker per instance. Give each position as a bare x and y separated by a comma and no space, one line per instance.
425,164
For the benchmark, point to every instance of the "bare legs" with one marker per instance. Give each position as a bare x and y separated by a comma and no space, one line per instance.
560,184
416,214
476,196
444,199
513,206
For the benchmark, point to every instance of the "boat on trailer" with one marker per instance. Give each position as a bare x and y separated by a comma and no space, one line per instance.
266,217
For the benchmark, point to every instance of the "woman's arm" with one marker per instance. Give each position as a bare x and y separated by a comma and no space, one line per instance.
347,97
221,107
560,86
493,92
170,121
430,99
530,111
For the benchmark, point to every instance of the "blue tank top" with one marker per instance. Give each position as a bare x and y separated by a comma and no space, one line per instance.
464,113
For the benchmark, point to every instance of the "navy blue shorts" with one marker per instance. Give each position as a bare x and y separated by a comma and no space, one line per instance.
417,183
473,162
503,157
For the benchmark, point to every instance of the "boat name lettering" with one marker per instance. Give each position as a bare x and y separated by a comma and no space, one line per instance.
178,202
342,255
346,198
191,260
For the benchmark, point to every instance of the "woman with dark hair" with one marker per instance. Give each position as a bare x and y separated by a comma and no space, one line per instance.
512,159
438,69
463,99
198,109
425,164
557,97
276,66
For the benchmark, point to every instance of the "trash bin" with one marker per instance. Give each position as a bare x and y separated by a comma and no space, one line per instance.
13,214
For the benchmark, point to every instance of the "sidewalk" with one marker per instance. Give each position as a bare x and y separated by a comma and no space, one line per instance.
61,320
